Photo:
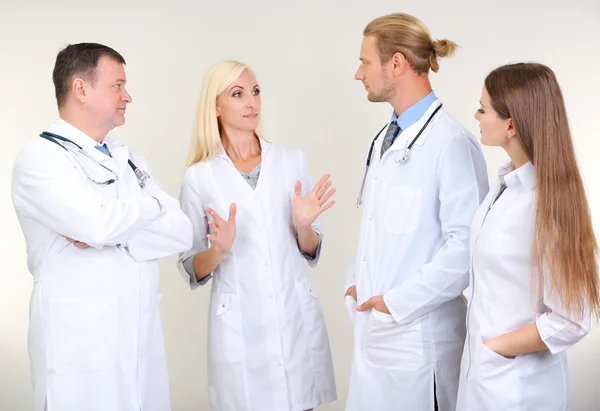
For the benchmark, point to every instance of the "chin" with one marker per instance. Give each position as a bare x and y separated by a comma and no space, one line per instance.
373,98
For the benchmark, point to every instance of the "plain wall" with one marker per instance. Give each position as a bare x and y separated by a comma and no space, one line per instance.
304,55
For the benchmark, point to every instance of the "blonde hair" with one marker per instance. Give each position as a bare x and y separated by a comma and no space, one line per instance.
407,35
206,136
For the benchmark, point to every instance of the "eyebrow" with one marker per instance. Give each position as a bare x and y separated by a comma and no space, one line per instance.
236,86
482,105
120,80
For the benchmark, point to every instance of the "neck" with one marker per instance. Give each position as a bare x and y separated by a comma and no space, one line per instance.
240,144
410,93
84,123
517,155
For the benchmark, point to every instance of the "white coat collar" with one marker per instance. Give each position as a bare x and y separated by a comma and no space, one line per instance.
407,135
524,175
64,129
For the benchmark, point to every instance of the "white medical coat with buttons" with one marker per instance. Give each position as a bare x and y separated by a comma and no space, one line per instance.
501,301
414,250
95,337
268,348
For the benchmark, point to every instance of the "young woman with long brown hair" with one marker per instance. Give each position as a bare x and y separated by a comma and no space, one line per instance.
534,284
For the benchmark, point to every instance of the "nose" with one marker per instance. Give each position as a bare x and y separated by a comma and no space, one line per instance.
358,75
126,96
476,115
252,101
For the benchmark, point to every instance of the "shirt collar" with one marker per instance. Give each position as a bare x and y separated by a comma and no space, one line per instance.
64,129
524,175
414,113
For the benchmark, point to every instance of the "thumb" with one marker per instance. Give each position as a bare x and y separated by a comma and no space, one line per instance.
367,305
297,189
232,212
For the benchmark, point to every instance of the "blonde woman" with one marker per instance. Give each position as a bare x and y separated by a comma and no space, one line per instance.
534,278
254,214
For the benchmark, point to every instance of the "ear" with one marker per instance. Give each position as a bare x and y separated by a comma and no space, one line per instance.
217,106
398,64
79,89
511,130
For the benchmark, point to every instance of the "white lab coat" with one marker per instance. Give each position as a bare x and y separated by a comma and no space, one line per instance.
414,250
500,301
95,337
268,348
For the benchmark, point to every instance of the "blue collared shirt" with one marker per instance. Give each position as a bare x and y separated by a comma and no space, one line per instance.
412,114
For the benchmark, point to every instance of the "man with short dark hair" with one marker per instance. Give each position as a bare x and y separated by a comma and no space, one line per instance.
95,223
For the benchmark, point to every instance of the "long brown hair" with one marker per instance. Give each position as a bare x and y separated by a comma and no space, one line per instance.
564,240
405,34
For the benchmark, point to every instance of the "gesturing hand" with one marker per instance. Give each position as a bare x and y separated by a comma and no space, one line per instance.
222,231
307,209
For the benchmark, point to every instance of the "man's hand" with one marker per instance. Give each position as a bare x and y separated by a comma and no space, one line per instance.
351,291
77,244
375,303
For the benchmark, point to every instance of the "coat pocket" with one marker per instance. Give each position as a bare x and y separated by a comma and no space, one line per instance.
493,358
403,209
315,331
390,345
226,341
82,334
312,316
494,380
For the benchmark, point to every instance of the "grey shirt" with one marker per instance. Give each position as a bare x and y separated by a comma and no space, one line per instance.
252,179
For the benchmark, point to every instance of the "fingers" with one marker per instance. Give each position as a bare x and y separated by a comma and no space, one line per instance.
216,217
212,238
297,189
323,189
352,292
366,306
327,207
327,196
213,228
232,212
76,243
320,183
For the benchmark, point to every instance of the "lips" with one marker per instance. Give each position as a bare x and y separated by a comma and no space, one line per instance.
252,116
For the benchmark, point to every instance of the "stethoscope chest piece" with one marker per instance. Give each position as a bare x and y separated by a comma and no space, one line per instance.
404,157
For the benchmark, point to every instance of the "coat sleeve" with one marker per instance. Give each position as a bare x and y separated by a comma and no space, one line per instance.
193,206
47,188
558,329
169,234
445,277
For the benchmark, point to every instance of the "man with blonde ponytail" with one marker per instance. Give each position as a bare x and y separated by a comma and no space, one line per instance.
425,178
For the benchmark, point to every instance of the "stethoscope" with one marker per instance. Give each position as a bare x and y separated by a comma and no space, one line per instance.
141,175
401,159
